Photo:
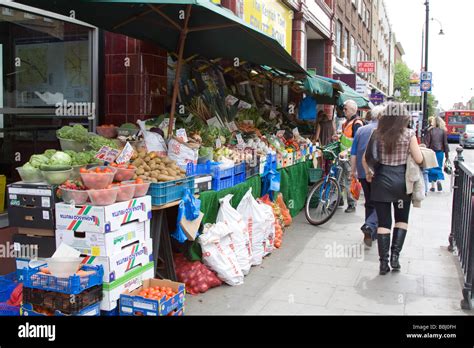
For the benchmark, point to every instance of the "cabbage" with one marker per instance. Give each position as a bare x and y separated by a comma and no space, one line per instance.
49,153
37,160
29,168
60,158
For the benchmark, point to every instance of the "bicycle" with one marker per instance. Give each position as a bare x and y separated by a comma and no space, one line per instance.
325,195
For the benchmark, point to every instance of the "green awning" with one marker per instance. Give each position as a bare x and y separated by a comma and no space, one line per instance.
318,87
349,93
214,31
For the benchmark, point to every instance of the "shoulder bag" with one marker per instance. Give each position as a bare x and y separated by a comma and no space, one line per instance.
371,152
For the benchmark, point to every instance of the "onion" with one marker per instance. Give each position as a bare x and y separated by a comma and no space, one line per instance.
203,287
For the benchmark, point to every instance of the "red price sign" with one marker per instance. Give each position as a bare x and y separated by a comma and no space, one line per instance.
366,67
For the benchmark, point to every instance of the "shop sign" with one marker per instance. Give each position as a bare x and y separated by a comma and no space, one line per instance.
361,86
366,67
377,98
272,17
415,90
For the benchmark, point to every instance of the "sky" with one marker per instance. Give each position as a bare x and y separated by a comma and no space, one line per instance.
451,56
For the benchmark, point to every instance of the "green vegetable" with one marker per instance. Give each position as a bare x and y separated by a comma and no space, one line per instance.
96,142
60,158
77,133
29,173
49,153
131,126
37,160
54,168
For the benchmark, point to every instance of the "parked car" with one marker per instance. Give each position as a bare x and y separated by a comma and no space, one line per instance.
467,138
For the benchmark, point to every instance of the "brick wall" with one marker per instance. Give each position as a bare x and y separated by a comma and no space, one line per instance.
137,91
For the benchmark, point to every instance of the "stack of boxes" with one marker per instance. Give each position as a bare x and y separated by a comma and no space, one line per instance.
31,208
117,237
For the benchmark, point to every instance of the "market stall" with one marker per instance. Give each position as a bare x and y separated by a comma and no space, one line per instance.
226,143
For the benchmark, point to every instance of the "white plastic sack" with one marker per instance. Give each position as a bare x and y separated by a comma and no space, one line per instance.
240,234
153,141
255,219
269,228
218,254
181,153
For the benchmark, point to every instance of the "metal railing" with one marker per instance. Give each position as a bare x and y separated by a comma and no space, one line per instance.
461,238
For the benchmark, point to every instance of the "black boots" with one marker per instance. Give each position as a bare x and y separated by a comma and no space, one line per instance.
383,242
398,239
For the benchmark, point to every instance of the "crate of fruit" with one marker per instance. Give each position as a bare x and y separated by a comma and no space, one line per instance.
65,303
8,283
170,191
87,277
30,310
155,297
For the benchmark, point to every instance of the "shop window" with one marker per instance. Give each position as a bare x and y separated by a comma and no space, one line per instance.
46,81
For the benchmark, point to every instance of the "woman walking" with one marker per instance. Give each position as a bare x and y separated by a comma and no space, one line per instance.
437,140
392,142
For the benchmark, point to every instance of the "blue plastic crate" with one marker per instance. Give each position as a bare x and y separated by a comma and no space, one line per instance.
239,178
218,173
219,184
8,283
166,192
7,310
73,285
113,313
239,168
198,169
271,163
91,311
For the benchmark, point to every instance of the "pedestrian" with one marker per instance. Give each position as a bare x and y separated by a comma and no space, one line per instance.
349,129
361,139
436,139
393,142
325,129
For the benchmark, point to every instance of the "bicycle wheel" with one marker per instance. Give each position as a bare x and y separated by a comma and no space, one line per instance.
322,201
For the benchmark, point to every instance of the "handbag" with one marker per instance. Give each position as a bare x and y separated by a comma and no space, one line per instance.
371,152
448,168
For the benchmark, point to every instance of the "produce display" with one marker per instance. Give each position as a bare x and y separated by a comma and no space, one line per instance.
73,192
158,293
197,277
152,168
98,178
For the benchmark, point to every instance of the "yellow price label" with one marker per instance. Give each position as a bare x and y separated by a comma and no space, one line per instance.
95,251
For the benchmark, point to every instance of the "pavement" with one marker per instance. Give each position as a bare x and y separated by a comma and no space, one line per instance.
327,270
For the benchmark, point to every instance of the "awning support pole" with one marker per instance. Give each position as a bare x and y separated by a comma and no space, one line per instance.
182,41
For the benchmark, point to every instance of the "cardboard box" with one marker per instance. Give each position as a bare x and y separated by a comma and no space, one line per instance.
105,244
25,195
132,304
31,217
32,247
28,311
202,184
131,281
118,265
106,219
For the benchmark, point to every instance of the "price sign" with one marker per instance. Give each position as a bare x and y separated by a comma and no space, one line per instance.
233,127
107,154
231,100
214,122
189,118
240,140
244,105
126,154
181,134
296,131
218,143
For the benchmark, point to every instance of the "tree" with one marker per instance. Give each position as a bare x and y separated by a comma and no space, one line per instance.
402,82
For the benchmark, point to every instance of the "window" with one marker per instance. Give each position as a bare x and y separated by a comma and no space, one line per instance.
354,2
359,7
338,42
363,13
347,46
353,52
367,15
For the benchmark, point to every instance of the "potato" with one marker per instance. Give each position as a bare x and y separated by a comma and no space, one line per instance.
154,180
154,175
142,177
146,167
166,160
135,177
182,171
163,177
140,171
142,155
138,162
153,155
147,159
171,172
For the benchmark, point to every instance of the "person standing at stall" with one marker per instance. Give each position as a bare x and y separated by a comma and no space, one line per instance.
349,129
392,142
436,139
325,129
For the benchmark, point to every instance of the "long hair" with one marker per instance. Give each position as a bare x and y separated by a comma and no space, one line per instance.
392,124
438,122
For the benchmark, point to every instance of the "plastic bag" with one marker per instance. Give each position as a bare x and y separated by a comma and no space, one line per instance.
269,239
285,212
197,277
355,188
218,253
240,234
190,207
255,219
279,223
153,141
270,182
181,153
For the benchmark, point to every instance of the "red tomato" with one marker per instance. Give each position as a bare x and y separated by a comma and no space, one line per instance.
83,170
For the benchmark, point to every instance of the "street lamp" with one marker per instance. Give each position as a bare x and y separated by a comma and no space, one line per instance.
427,25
